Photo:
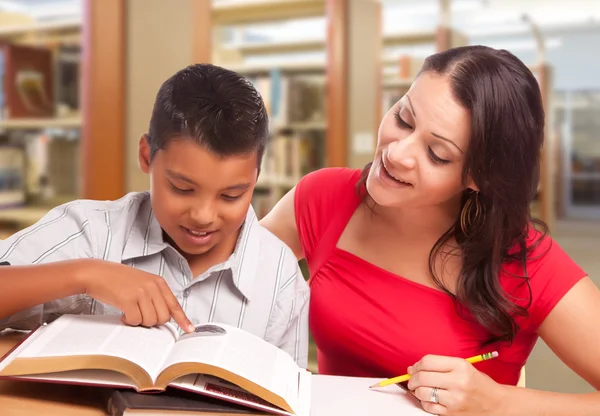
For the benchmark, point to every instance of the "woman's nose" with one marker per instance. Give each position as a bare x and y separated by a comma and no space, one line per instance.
402,153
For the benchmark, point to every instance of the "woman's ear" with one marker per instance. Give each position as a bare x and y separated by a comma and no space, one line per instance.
471,184
144,154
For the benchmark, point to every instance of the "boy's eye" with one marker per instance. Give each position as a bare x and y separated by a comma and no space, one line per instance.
231,197
180,190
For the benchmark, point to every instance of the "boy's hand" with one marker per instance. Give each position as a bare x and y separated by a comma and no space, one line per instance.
144,298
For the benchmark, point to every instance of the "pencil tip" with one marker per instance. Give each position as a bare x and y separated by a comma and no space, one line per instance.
374,385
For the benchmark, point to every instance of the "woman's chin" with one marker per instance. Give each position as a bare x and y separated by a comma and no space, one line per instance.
382,195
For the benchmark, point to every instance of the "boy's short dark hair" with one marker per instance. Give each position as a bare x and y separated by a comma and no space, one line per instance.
217,107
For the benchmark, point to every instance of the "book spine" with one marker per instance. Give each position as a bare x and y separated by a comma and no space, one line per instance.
116,404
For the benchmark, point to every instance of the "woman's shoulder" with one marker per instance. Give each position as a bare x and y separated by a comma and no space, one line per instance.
544,252
328,185
332,177
549,272
321,198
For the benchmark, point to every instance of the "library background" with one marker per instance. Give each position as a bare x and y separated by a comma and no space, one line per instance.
78,79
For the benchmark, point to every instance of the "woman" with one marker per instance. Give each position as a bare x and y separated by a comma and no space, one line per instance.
429,255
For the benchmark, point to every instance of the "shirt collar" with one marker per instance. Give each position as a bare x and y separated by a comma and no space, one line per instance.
145,236
244,260
146,239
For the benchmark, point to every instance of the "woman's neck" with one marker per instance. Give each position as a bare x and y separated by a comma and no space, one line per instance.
429,222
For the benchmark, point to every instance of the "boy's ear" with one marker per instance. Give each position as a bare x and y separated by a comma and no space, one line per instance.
144,154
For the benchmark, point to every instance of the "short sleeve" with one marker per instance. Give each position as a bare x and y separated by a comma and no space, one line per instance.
62,234
552,274
321,196
288,323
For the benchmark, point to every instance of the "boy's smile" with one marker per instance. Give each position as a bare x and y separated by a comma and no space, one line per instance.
199,237
199,198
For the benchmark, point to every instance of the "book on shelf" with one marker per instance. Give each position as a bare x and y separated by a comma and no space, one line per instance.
216,360
292,98
262,201
296,106
291,155
26,84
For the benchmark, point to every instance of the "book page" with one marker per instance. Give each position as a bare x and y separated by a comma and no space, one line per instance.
241,353
103,335
104,378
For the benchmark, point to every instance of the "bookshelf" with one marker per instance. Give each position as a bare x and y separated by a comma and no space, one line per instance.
321,87
399,70
292,77
39,133
244,11
66,149
41,123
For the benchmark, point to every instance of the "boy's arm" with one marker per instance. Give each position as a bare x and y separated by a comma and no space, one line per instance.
53,269
34,271
288,324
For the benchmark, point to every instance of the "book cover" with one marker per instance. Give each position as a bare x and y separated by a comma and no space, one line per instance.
124,402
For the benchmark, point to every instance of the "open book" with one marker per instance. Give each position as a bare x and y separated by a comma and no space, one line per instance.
216,360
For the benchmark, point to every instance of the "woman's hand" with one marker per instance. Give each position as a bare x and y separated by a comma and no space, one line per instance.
460,388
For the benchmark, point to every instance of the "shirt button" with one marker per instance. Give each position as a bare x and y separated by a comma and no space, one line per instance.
186,293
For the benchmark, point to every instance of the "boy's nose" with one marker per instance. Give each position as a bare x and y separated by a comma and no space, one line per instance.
203,216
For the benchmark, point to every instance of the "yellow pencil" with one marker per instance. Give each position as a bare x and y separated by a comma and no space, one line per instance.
406,377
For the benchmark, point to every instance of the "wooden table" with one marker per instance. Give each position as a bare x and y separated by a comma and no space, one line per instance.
25,398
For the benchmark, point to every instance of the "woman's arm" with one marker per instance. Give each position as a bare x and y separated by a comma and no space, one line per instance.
281,221
571,330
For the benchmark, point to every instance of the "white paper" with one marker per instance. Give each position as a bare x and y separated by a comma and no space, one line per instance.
335,395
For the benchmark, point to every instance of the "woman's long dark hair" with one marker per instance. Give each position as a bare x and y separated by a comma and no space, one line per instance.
507,133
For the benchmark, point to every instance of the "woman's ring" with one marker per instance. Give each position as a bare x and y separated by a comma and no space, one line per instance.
433,398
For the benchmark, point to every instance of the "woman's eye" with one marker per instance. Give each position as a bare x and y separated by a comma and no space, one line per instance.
401,123
437,159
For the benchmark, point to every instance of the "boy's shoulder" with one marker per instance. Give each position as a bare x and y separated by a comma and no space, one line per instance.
95,212
271,245
130,203
110,222
84,211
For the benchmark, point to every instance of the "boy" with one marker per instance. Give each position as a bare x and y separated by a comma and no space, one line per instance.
190,249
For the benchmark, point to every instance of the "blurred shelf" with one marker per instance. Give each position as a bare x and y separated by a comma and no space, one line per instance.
303,126
397,39
41,123
585,176
246,11
396,83
29,214
278,47
270,180
265,68
17,30
23,215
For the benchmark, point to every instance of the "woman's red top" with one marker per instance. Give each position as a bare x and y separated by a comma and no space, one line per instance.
368,322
